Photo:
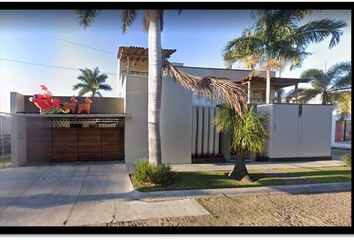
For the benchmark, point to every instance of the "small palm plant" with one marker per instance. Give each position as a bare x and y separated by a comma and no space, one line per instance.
248,135
92,81
333,86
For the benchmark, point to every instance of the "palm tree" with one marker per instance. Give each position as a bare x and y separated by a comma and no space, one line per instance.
276,37
332,86
248,135
153,23
92,81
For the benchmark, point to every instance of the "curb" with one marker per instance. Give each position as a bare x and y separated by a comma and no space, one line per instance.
290,189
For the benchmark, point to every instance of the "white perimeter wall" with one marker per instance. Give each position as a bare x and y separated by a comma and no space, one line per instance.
176,121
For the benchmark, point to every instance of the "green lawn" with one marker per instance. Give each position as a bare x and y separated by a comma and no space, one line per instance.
218,179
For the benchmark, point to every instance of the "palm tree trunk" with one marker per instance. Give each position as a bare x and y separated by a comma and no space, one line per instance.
268,86
154,86
239,172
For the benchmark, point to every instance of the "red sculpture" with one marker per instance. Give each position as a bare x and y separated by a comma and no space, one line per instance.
85,106
46,103
71,105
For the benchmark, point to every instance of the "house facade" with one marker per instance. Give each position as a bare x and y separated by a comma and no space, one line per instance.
117,129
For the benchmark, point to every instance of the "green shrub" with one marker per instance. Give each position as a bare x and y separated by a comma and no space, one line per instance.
141,170
347,159
152,173
160,174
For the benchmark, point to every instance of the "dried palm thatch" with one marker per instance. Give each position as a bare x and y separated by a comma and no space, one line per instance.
232,92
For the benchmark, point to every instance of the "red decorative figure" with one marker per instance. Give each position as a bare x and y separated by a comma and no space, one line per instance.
46,103
85,106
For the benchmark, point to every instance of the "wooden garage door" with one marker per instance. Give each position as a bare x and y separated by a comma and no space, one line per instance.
45,143
112,143
89,144
39,141
64,144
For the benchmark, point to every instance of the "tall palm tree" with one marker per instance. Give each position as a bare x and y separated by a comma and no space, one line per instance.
248,135
153,23
92,81
276,36
332,86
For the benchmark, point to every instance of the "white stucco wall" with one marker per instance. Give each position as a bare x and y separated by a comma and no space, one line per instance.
294,135
176,121
18,131
135,128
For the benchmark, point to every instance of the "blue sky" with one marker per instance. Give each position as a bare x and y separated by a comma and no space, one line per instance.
199,37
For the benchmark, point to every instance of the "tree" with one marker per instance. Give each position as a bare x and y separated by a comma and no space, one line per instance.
276,37
248,135
332,86
153,23
92,81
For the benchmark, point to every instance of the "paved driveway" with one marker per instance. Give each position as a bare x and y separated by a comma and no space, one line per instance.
64,194
77,194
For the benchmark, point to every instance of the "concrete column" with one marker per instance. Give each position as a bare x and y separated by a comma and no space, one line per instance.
200,130
205,130
211,129
18,141
216,137
194,129
268,87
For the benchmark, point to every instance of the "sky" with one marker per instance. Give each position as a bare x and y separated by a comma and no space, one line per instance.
55,38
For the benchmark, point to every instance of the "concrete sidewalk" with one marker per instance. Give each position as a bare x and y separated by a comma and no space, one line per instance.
290,189
254,165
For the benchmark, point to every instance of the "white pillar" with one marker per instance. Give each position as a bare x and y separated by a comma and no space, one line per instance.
205,130
211,130
268,87
194,129
200,130
216,136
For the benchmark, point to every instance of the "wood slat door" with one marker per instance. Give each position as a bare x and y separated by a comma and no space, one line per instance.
65,144
112,143
39,142
89,144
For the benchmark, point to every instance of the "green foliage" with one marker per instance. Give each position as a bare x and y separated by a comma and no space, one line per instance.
332,86
92,81
347,159
141,170
277,38
249,133
153,173
248,129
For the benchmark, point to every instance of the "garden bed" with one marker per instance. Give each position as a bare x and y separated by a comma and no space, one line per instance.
219,179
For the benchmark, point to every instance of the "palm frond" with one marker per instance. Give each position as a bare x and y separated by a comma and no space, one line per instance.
83,91
86,17
317,31
105,87
249,132
318,78
340,74
342,101
128,16
79,85
233,94
225,119
307,94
